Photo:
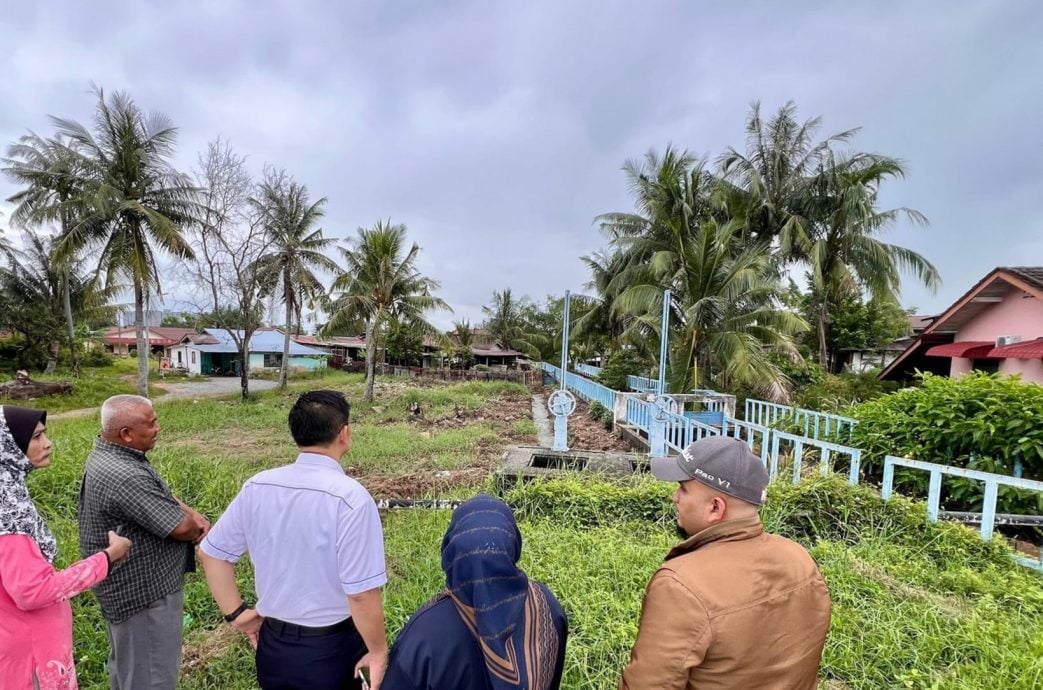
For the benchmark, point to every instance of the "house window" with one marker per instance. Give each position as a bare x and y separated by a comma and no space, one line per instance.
271,361
990,366
193,356
179,357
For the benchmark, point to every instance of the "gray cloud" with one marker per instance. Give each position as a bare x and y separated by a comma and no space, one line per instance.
496,131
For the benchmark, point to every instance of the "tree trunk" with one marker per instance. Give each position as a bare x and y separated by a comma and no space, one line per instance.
69,324
823,316
371,356
52,357
143,347
244,366
288,297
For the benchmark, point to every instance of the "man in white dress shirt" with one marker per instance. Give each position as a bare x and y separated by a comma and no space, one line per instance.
317,547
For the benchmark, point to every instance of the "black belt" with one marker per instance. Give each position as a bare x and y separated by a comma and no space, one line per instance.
284,628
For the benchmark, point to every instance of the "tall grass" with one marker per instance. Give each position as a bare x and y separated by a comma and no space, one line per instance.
916,605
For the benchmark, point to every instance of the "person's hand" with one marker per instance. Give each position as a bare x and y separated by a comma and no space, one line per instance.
377,663
202,523
118,547
249,623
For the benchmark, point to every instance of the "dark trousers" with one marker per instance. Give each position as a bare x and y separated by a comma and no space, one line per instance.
289,658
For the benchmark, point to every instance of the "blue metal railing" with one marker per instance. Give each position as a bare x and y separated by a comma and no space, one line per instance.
817,425
934,493
639,413
588,390
642,384
588,370
755,435
826,452
682,430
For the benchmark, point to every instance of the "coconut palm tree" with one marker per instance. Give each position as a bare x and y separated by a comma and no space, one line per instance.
506,324
459,343
46,169
35,288
768,185
129,200
380,281
298,248
843,254
726,319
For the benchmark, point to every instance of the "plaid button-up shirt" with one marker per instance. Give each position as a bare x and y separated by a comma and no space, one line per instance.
121,489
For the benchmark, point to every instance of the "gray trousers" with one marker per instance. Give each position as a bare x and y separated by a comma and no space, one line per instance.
145,649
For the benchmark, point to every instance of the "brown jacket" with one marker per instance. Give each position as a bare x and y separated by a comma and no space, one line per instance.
732,607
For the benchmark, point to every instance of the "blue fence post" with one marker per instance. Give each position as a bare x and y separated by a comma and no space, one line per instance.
934,495
657,433
988,510
798,458
856,462
774,469
889,478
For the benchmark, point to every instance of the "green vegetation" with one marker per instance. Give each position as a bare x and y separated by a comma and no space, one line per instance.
915,604
90,388
617,367
980,421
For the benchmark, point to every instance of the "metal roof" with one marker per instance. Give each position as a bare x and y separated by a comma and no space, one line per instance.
262,342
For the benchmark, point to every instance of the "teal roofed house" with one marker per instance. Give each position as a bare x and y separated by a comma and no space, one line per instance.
213,352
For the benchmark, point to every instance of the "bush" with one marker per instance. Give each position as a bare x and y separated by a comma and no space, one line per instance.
979,421
836,392
96,357
600,413
618,366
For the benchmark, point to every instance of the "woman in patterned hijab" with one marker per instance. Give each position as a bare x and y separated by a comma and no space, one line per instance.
492,628
35,615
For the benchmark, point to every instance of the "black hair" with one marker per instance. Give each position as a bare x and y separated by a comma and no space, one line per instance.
318,416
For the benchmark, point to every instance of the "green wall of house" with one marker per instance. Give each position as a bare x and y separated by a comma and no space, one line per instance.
304,362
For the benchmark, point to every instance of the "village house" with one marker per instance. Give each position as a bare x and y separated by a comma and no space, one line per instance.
860,360
122,341
997,326
214,353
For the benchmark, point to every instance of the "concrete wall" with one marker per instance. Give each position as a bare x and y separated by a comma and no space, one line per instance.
301,361
187,354
1018,314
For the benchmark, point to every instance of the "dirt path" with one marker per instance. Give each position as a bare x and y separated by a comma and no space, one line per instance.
180,391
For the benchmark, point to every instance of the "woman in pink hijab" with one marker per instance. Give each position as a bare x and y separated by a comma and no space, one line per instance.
35,615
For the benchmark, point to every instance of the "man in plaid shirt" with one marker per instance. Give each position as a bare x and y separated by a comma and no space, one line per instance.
142,599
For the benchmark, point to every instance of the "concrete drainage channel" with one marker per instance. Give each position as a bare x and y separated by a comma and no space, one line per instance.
529,462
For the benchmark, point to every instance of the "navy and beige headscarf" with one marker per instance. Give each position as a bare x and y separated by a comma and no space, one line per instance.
508,614
18,514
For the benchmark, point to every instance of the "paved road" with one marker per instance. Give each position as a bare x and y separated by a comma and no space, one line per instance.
221,385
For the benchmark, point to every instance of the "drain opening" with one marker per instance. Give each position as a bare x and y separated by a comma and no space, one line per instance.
558,462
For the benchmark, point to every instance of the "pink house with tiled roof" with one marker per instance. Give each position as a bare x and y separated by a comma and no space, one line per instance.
996,326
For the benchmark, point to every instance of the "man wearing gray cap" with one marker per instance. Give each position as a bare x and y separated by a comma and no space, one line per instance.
732,606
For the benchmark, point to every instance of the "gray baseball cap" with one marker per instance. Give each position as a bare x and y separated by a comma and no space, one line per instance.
720,462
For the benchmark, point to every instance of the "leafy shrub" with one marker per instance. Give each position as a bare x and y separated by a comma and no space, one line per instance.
980,421
815,510
96,357
600,413
618,366
576,501
835,392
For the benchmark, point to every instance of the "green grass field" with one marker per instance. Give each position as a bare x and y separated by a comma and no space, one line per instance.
915,605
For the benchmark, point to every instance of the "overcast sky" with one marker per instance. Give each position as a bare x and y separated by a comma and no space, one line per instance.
496,130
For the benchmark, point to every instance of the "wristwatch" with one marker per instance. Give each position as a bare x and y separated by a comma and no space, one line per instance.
238,612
